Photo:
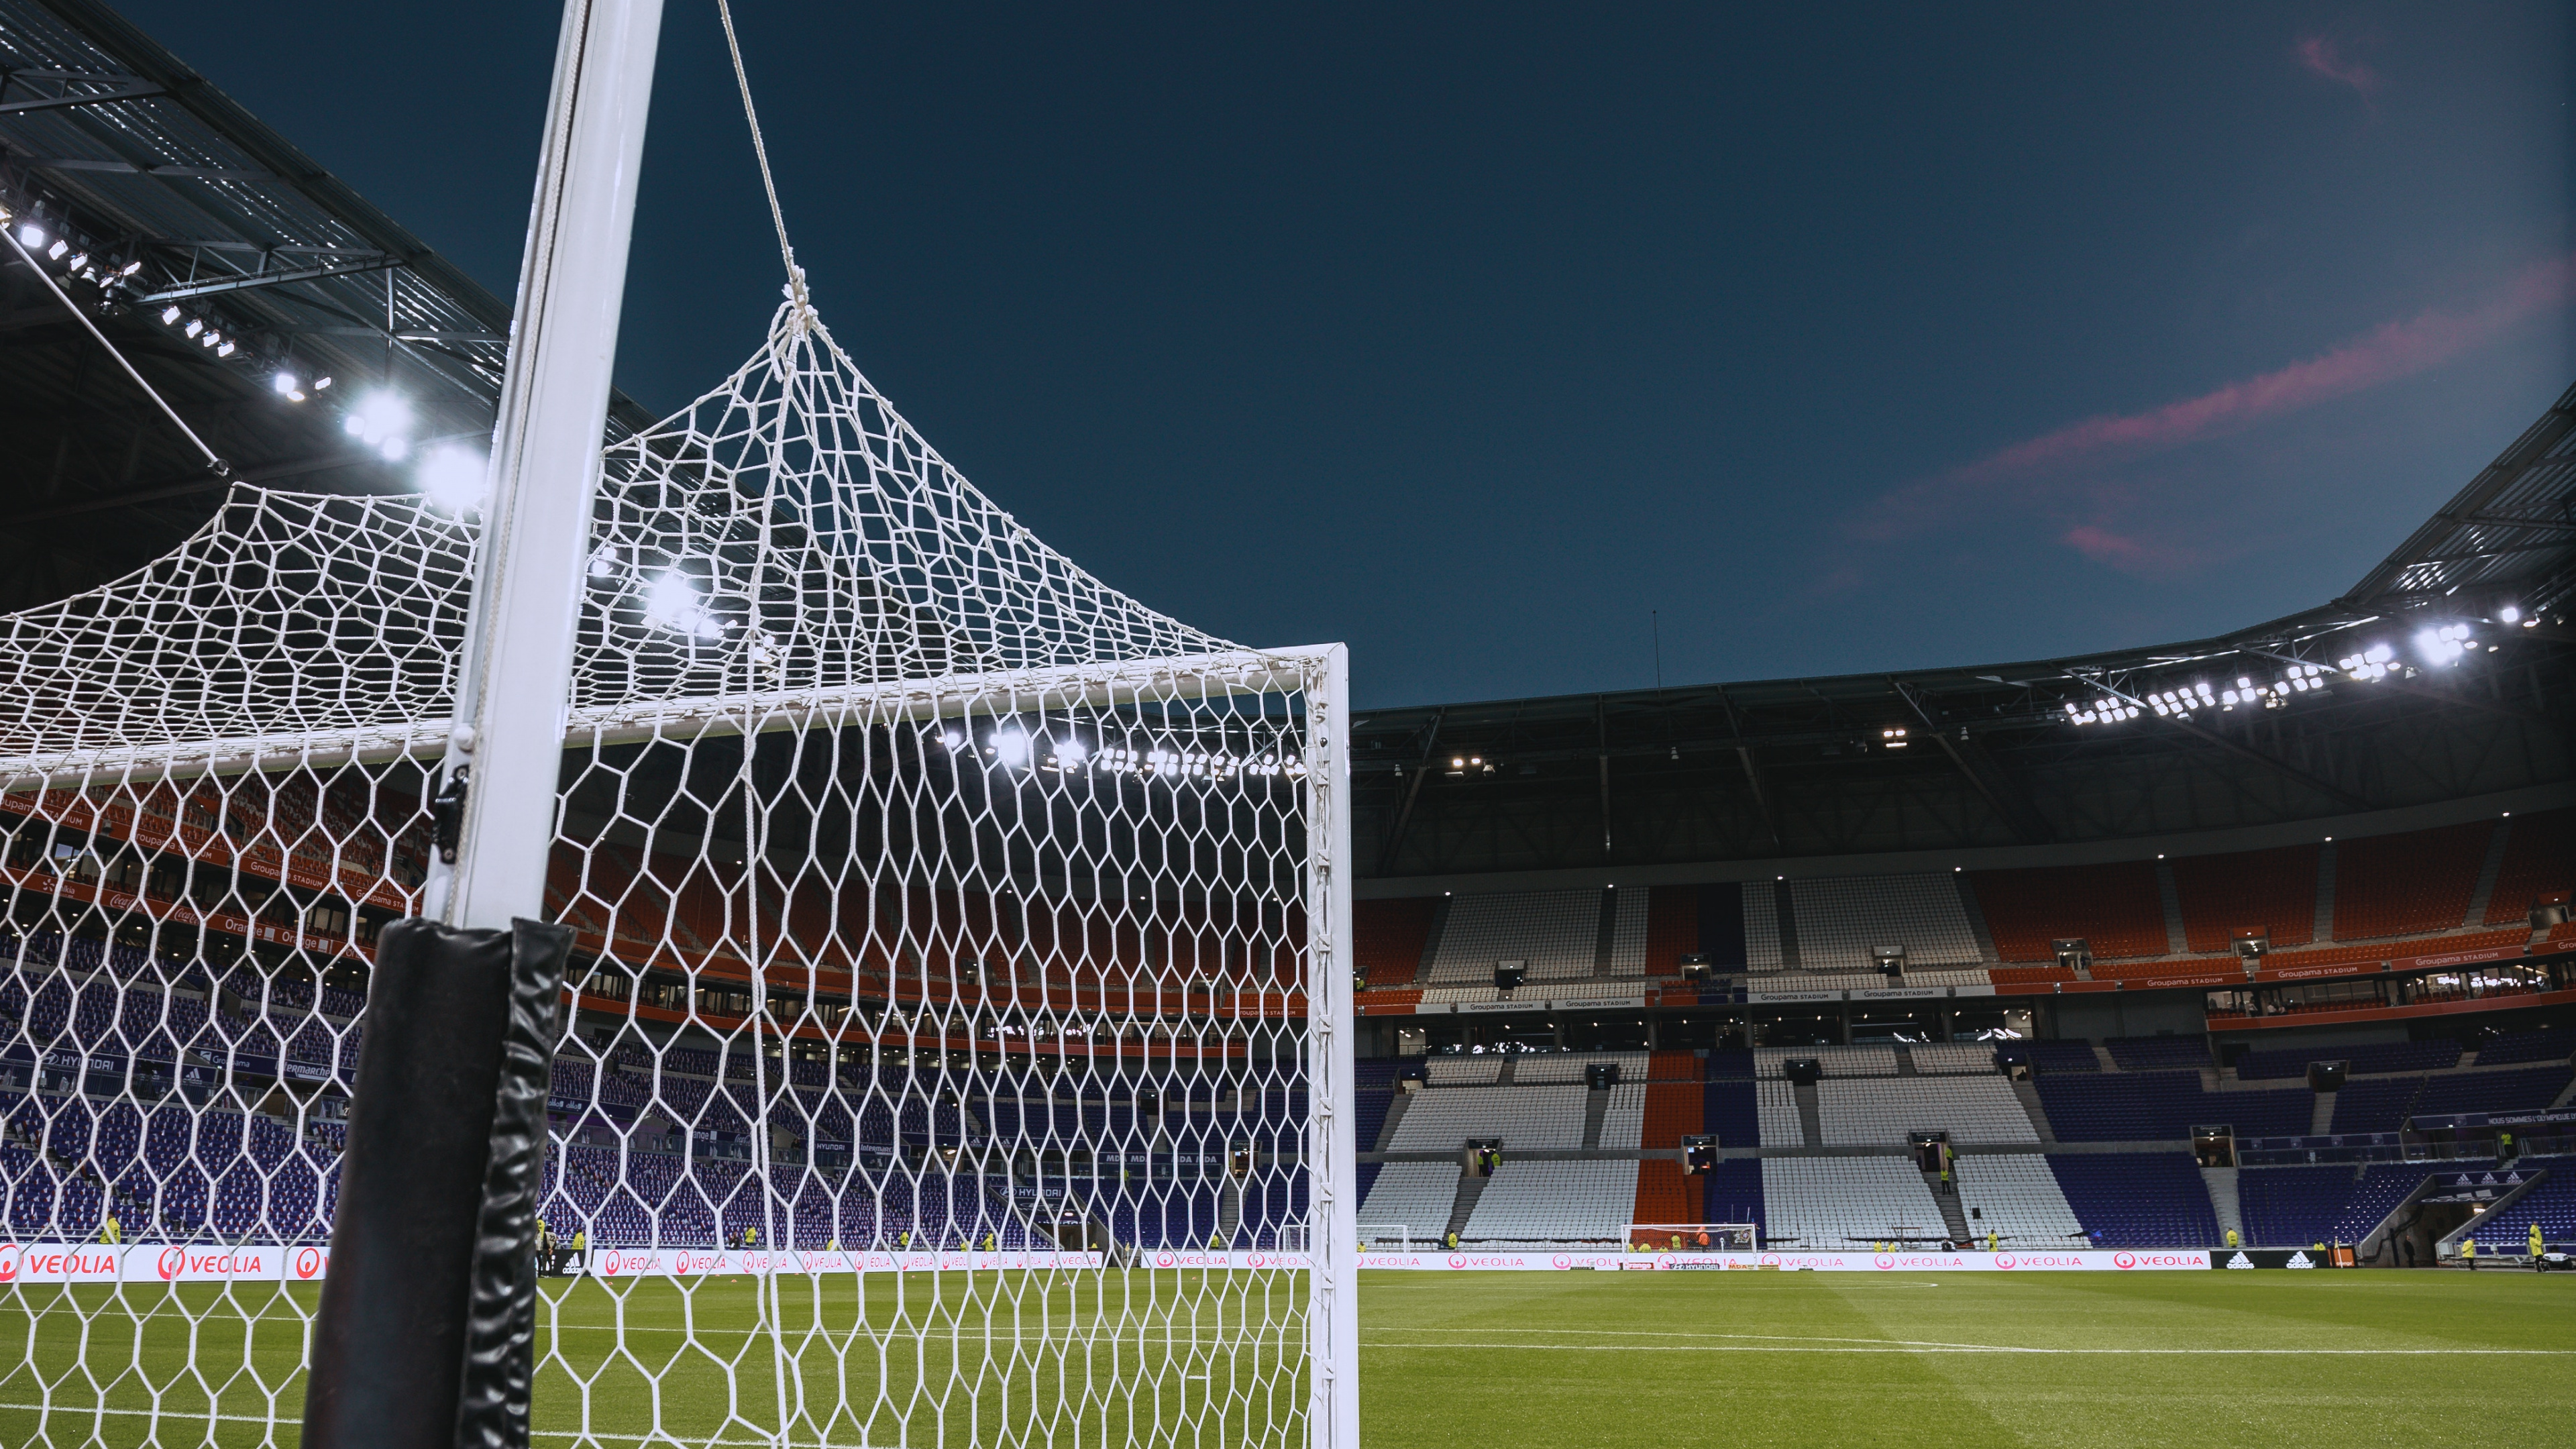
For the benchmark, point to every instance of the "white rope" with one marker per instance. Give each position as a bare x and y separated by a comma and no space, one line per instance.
214,463
760,149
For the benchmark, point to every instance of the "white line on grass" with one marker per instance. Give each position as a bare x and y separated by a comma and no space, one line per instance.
1901,1346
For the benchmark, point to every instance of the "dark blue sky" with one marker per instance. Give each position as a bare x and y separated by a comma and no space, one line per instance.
1848,338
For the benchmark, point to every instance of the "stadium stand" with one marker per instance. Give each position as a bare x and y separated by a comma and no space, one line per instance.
2164,1107
2137,1199
1672,928
2409,884
1667,1194
2376,1104
1852,1061
2292,1207
1732,1193
2527,1046
1628,932
1570,1067
1880,1111
1965,1058
1623,1121
1778,1101
1525,1118
1841,918
1556,932
2157,1053
1555,1202
2014,1196
2508,1091
2062,1056
1464,1071
2271,890
2116,908
1416,1196
2371,1057
1821,1203
1389,936
2551,1203
2539,861
1728,1112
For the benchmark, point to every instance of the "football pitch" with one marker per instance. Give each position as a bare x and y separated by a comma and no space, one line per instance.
1545,1360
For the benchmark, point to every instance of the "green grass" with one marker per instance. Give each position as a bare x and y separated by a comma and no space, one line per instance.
1560,1360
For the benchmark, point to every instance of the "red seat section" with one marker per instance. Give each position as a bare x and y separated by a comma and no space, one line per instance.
2273,890
2115,907
2539,862
1388,937
2405,885
1665,1193
1672,927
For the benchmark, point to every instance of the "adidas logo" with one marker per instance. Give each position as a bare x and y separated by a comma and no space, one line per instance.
2240,1261
2298,1260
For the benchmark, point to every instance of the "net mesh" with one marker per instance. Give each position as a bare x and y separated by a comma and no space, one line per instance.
941,1061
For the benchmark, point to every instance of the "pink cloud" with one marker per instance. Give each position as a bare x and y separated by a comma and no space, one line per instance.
2039,466
2125,553
2323,54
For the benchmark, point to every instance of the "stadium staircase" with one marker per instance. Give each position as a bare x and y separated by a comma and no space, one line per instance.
1596,1105
2038,1111
1811,1116
2223,1200
2487,873
2177,940
1470,1188
2322,927
1954,1219
1229,1209
2566,1095
2321,1116
1431,941
2102,1054
1394,1115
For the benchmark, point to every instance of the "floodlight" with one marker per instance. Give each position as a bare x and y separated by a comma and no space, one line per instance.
453,478
31,235
169,314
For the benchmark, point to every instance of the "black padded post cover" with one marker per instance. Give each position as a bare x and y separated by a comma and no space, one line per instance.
403,1328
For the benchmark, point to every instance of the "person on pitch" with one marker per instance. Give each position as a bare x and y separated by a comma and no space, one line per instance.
2536,1245
2469,1253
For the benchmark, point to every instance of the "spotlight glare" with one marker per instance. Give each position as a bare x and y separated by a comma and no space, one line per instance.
452,479
169,314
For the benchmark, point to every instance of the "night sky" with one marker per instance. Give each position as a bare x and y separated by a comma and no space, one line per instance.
1844,339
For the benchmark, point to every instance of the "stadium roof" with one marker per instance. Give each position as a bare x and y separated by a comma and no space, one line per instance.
114,147
2039,752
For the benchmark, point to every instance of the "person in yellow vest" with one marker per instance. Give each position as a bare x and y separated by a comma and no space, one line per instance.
2232,1240
1990,1240
1453,1240
2469,1252
831,1245
112,1232
1216,1242
751,1237
1677,1242
2536,1246
903,1239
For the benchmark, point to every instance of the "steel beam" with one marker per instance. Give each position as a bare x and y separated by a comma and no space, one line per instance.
251,280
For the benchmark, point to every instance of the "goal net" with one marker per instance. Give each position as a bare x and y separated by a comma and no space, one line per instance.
1691,1237
962,971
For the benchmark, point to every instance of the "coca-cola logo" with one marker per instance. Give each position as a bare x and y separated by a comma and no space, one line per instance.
2006,1261
2124,1261
308,1262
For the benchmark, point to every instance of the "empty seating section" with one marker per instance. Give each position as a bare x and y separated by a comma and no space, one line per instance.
1672,928
1570,1066
1674,1110
1728,1113
2520,1089
1822,1204
1463,1071
2061,1056
2118,909
2539,862
2551,1204
1761,927
2292,1207
1623,1120
1779,1107
2138,1199
2382,1187
2367,1057
2271,890
2406,885
1388,938
2154,1053
1666,1194
1856,1061
1409,1196
1556,932
2014,1196
1840,918
1733,1192
1880,1111
1441,1119
1953,1057
2124,1106
1628,924
2375,1104
2527,1046
1530,1201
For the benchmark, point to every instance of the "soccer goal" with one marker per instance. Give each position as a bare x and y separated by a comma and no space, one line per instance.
955,1047
1692,1237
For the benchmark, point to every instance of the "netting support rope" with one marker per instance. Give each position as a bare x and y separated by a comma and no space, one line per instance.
215,463
760,150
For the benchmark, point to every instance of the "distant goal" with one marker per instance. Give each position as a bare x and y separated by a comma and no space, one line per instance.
1692,1237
